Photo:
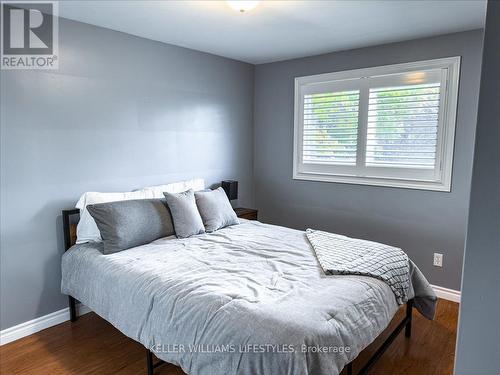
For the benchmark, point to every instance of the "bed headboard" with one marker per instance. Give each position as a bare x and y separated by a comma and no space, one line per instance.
69,227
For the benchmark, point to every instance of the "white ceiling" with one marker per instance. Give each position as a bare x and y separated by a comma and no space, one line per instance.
279,30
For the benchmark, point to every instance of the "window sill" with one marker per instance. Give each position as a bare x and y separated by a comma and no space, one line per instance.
376,181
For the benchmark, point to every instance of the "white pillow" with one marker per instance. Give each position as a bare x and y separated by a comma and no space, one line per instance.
86,229
176,187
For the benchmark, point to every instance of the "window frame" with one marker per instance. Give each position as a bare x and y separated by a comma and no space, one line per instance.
356,79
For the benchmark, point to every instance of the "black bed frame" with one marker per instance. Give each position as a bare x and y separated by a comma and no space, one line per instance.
151,364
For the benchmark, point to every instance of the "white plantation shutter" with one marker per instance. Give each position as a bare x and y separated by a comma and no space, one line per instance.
391,126
330,127
403,126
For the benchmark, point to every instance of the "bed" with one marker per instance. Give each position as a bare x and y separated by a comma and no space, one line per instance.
246,299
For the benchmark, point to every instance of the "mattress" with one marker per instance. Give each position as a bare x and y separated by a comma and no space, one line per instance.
247,299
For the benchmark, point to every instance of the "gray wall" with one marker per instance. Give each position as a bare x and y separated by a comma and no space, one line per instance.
121,112
478,346
421,222
124,112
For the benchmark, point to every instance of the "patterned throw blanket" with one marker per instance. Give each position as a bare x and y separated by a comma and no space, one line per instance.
341,255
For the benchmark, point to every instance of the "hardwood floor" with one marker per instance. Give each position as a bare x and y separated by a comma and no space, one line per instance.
93,346
429,351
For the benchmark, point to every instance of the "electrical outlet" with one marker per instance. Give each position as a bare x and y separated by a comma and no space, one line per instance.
438,260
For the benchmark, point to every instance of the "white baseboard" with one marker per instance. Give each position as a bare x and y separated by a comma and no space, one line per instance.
33,326
448,294
52,319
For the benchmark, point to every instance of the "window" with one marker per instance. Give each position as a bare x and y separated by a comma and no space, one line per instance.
391,125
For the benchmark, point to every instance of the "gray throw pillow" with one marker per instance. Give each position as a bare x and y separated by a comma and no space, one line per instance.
131,223
215,209
187,220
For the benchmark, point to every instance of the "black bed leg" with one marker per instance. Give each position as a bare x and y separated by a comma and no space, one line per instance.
349,368
409,308
72,309
149,362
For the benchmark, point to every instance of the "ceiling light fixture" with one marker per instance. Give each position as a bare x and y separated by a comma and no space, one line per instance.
241,5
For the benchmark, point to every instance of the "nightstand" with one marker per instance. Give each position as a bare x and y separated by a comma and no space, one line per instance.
246,213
